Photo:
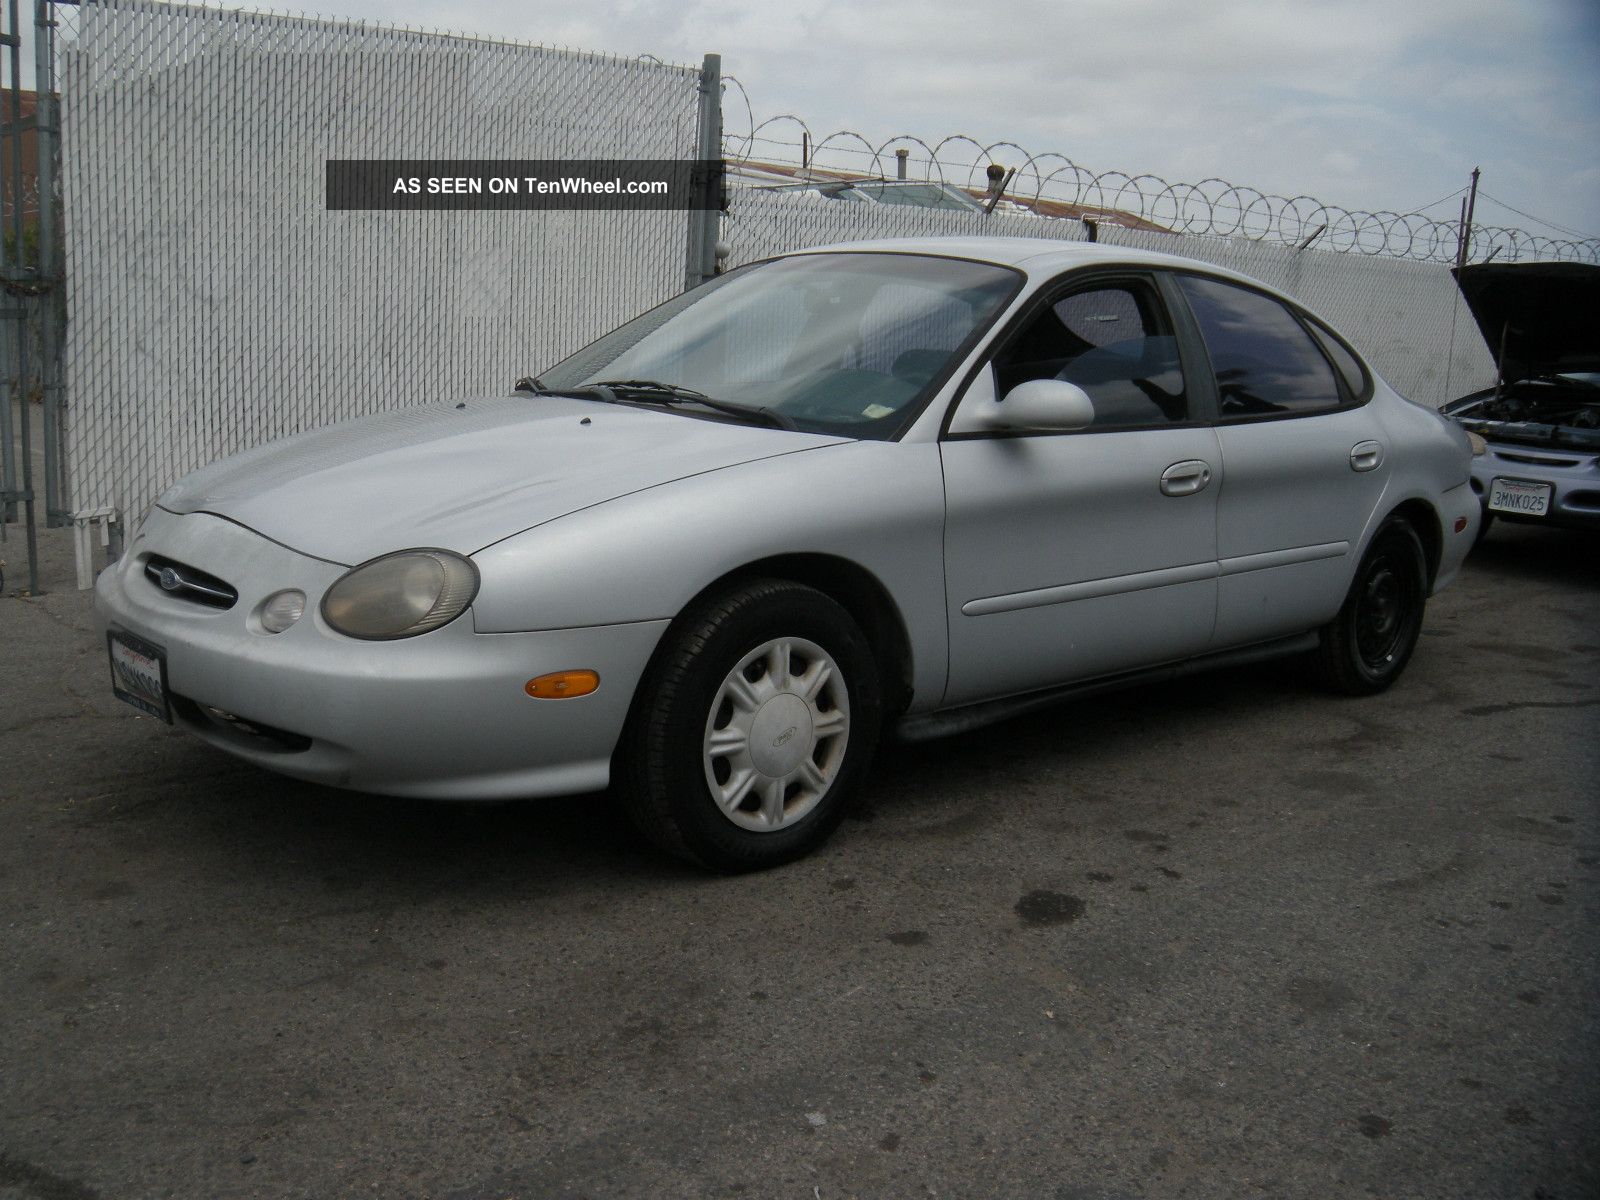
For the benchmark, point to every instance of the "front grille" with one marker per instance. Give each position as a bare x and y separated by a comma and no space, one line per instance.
1537,460
183,582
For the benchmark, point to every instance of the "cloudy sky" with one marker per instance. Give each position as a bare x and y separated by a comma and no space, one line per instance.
1373,104
1367,104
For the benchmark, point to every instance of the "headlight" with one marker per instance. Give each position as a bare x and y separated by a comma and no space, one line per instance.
1479,446
401,595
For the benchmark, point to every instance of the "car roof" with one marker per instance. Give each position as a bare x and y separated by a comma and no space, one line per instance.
1032,255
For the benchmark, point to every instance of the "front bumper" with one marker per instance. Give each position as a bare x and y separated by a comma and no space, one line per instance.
443,715
1573,476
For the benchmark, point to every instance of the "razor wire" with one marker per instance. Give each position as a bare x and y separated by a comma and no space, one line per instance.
1211,207
216,303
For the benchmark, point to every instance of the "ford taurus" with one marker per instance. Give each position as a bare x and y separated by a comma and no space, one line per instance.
896,487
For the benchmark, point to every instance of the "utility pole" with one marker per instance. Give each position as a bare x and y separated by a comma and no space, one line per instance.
1464,239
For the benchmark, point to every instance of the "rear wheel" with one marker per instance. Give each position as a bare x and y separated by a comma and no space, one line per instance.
1364,648
751,728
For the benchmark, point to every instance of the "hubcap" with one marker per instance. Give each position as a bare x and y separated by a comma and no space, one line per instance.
776,734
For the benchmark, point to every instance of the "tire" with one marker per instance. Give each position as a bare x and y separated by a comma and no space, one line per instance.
1364,649
751,728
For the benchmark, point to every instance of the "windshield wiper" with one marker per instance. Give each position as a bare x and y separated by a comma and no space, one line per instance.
587,391
535,387
649,391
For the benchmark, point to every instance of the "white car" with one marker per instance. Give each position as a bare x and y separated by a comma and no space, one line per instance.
908,485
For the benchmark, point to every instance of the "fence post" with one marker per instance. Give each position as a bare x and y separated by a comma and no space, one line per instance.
12,308
706,223
16,484
47,121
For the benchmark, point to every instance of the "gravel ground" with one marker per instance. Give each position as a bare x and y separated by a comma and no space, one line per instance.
1228,937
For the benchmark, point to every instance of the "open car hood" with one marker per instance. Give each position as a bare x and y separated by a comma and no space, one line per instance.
1540,318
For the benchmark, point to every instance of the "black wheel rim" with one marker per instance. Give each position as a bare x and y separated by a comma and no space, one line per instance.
1386,613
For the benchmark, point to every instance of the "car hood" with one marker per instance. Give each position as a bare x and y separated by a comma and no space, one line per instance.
461,477
1545,316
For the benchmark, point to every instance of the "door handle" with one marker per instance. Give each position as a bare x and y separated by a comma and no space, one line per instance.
1365,456
1185,478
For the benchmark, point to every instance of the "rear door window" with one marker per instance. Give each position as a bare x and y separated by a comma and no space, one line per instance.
1265,362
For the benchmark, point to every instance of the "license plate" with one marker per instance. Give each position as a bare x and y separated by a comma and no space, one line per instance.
1519,496
139,673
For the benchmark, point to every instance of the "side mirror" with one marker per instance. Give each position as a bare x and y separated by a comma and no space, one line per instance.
1047,404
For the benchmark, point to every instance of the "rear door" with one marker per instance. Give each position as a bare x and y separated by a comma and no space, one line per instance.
1305,463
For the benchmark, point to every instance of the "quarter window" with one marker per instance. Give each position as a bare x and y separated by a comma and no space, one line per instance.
1344,360
1265,361
1112,340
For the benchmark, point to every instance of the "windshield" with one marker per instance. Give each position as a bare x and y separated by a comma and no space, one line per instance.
836,343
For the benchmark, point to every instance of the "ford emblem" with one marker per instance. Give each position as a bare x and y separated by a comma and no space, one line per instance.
170,579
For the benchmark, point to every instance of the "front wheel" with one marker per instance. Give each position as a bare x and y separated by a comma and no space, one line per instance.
1364,649
754,722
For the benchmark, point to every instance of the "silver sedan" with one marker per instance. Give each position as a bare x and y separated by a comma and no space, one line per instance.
907,486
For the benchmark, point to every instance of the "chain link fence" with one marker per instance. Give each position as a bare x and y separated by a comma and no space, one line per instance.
216,304
1406,317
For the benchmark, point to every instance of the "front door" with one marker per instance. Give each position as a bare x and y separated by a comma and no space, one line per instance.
1072,555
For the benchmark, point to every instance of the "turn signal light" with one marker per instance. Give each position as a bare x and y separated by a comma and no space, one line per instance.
562,685
1461,524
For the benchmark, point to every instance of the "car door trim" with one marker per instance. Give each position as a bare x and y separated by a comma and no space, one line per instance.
1113,585
1090,589
1267,559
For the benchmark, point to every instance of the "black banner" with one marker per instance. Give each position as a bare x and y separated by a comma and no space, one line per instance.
449,184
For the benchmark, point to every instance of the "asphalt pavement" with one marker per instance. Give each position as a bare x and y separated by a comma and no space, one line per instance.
1228,937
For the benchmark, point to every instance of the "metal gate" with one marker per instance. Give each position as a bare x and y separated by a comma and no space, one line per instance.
32,307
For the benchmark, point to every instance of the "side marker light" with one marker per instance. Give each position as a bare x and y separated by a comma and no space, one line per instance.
562,685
